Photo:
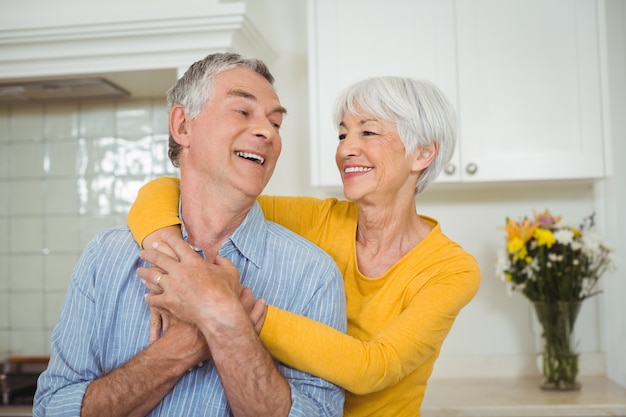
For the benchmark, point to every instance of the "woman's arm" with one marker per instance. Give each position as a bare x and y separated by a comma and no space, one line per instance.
385,358
156,207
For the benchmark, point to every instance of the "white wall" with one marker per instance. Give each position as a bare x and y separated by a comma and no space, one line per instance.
612,192
496,333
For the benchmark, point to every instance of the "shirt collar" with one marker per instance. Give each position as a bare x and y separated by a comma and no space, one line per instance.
248,238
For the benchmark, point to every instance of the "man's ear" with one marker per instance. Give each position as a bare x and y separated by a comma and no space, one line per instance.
179,125
424,156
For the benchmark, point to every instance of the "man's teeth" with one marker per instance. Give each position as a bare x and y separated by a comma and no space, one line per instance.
253,157
357,169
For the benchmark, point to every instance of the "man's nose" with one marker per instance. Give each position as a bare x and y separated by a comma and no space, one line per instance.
264,129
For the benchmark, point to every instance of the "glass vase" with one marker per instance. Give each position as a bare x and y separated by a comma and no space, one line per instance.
559,356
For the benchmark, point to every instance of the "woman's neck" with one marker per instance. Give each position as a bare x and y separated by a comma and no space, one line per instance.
385,235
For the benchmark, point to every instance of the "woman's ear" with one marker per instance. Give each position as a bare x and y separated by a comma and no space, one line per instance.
179,125
424,156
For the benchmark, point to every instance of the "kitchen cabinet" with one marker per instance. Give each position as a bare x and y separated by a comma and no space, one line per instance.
523,76
529,90
350,40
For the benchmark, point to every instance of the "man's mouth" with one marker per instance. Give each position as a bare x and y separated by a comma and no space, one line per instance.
251,157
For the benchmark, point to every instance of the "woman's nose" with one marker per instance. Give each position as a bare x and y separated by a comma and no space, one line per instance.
348,146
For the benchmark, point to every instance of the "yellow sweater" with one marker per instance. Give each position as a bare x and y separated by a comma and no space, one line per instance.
396,322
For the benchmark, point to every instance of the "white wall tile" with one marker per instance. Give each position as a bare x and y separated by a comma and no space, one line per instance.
60,196
5,336
4,234
26,235
4,124
61,158
26,123
54,305
58,271
133,118
4,311
25,197
91,225
4,273
26,160
4,201
160,123
26,273
27,310
61,121
5,153
28,342
62,234
97,120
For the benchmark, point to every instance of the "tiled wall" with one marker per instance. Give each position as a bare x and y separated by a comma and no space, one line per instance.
66,172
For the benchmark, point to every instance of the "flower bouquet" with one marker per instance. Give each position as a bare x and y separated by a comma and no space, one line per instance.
556,266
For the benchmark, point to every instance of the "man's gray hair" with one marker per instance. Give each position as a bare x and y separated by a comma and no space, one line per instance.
194,89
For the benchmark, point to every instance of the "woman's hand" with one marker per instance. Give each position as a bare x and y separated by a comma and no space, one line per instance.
190,276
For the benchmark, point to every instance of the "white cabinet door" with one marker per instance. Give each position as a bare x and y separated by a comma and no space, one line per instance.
529,90
350,40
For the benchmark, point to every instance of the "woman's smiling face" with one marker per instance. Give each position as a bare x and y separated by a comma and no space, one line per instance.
371,158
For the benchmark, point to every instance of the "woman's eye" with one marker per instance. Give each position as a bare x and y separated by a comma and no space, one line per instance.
342,136
242,112
368,133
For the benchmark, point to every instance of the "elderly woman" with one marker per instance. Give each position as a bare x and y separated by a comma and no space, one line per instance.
405,281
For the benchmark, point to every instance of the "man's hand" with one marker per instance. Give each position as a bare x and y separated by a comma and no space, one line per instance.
178,261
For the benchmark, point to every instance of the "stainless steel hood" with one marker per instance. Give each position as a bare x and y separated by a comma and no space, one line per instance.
72,89
82,87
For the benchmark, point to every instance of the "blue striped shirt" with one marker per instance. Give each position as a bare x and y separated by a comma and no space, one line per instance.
105,320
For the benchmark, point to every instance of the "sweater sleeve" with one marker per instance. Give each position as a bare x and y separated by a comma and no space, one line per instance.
385,358
156,207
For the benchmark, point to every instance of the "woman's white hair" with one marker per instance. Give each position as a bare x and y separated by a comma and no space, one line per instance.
422,114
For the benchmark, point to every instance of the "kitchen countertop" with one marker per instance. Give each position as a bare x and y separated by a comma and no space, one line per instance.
499,397
16,410
521,397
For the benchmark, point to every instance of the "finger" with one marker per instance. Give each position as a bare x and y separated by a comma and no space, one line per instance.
258,314
159,259
181,248
224,262
247,299
156,325
165,320
152,278
164,248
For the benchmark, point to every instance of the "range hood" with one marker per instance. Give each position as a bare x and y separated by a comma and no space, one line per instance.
54,90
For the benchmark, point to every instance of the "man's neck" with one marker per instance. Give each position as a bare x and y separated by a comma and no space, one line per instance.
210,217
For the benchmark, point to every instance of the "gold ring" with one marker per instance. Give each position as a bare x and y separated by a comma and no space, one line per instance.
158,280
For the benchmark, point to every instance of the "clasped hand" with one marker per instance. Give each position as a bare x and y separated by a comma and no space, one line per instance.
186,286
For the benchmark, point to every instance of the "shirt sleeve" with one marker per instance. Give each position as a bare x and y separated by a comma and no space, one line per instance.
156,207
366,366
61,387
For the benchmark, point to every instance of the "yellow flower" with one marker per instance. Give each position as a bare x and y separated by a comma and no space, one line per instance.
517,247
523,231
544,237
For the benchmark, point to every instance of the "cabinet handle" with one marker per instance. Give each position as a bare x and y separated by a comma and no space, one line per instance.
450,168
471,168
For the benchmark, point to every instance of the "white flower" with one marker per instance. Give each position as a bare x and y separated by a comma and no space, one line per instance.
591,243
564,236
502,264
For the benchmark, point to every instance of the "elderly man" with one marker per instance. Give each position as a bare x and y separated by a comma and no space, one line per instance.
224,125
